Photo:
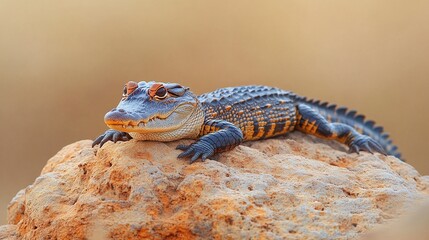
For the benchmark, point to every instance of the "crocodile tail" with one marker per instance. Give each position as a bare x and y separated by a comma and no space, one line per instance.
333,113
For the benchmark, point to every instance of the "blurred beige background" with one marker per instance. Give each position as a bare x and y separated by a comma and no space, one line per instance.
63,64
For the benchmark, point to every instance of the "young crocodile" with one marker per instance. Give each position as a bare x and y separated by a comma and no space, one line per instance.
222,119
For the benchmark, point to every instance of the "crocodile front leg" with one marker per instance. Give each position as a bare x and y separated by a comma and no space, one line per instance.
218,136
111,135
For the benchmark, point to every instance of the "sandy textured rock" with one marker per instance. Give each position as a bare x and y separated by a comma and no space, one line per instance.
8,232
295,187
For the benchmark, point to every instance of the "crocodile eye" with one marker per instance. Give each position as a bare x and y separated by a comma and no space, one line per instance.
124,92
161,93
131,86
158,91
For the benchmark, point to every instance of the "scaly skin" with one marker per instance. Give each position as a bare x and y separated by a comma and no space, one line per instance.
222,119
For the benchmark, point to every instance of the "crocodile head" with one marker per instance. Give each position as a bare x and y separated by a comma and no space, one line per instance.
154,108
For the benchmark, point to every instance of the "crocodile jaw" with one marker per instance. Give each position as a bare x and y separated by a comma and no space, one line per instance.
190,129
183,121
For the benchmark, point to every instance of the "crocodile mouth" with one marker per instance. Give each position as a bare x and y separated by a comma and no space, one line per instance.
160,122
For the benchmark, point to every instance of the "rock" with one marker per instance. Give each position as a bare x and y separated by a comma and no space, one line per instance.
8,232
294,187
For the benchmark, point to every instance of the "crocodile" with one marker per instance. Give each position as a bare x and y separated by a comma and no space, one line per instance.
223,119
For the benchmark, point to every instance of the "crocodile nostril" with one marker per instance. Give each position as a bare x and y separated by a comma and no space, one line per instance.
121,110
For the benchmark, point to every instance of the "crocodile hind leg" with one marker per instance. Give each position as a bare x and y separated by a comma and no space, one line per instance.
311,122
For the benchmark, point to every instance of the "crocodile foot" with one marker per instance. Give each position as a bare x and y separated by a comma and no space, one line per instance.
365,143
111,135
197,149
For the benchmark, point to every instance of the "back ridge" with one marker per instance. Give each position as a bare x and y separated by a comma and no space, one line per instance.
333,113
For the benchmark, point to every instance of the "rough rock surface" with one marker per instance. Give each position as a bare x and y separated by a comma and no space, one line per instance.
295,187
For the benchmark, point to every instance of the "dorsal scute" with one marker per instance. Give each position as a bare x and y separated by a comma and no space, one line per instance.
237,95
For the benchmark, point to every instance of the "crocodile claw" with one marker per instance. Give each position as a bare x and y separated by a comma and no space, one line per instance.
197,149
365,143
111,135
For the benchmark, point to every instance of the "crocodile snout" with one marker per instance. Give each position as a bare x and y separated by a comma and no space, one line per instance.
118,116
